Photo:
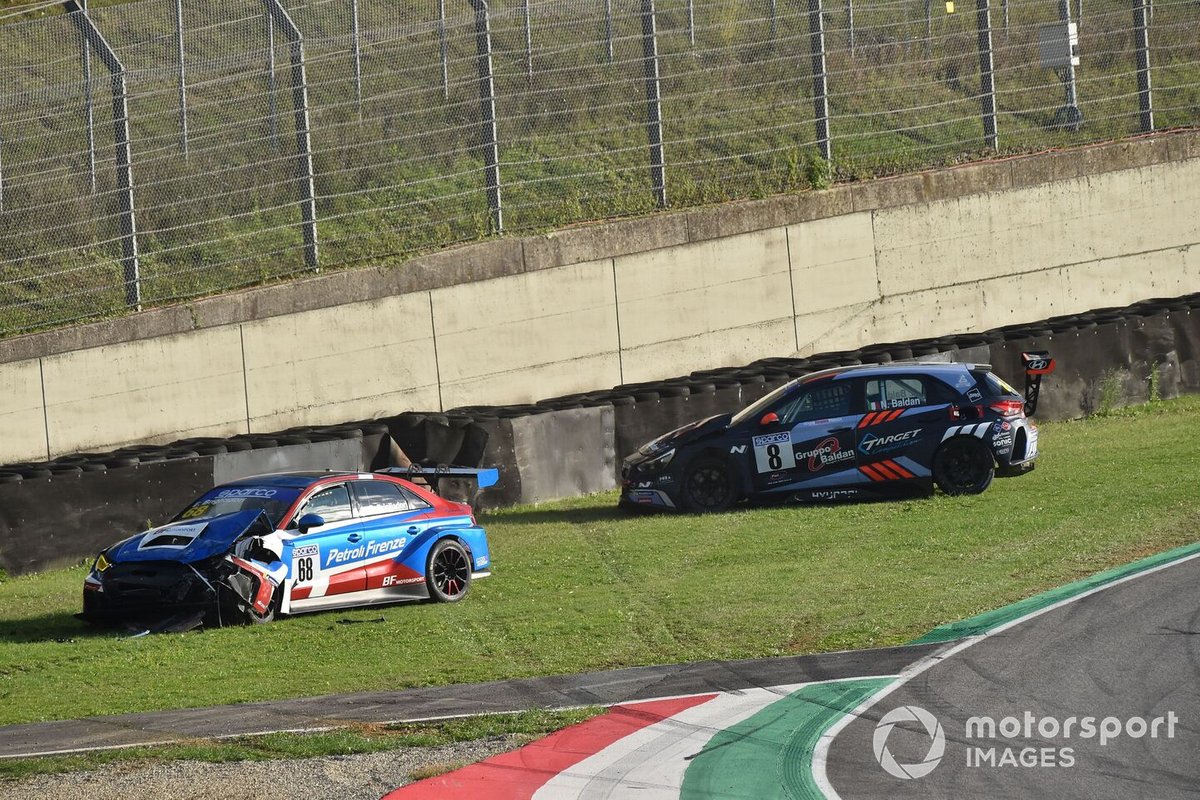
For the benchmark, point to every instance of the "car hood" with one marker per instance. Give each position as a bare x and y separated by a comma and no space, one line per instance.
687,433
187,541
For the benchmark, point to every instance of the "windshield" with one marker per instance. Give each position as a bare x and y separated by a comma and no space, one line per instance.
766,401
274,500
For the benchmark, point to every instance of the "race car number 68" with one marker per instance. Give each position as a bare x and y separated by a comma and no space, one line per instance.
774,452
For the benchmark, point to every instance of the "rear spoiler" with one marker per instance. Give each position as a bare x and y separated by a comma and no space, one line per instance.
448,480
1037,364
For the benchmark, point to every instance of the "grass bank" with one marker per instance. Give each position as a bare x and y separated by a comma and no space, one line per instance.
579,587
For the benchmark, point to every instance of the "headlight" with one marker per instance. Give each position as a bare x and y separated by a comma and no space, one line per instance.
102,563
660,462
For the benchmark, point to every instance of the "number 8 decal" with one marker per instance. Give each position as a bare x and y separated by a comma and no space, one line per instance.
773,452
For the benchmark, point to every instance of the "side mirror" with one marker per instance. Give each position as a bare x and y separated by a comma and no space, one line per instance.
310,521
770,418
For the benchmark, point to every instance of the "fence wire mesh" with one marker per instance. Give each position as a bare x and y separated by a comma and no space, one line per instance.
267,138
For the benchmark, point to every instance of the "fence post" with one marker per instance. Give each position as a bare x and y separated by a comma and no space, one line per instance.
1141,41
89,106
928,29
654,129
124,155
1069,116
987,73
444,49
528,44
608,29
820,77
183,114
272,87
489,135
356,52
850,26
304,159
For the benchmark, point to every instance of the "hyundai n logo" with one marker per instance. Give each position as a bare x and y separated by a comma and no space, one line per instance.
738,448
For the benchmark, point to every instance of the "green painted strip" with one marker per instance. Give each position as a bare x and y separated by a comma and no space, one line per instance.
769,755
993,619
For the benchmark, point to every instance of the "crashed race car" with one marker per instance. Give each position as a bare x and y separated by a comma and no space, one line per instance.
848,433
288,543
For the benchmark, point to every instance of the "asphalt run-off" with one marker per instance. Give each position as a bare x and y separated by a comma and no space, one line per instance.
1084,692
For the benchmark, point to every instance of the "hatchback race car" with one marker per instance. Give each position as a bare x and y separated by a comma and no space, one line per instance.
289,543
848,433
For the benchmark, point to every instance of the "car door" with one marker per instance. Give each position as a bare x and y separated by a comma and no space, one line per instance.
327,561
812,441
392,521
906,415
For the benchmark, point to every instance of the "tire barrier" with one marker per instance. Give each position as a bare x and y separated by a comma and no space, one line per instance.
60,511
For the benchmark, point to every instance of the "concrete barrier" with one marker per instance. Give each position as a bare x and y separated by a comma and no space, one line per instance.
573,445
507,321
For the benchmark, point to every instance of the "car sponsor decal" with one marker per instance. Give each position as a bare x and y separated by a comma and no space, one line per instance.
774,452
248,492
877,417
828,451
833,494
975,395
872,444
348,555
887,470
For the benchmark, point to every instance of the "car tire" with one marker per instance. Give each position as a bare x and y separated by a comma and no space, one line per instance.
963,465
448,572
708,486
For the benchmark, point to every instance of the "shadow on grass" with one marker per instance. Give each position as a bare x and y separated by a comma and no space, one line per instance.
61,627
573,516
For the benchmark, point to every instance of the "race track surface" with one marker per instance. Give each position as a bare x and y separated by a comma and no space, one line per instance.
1128,652
564,691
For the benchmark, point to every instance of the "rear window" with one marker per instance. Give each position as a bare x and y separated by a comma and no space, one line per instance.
994,385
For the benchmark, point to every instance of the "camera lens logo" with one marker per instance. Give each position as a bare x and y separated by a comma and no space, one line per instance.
933,728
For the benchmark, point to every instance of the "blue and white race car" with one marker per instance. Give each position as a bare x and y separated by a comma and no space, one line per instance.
848,433
290,543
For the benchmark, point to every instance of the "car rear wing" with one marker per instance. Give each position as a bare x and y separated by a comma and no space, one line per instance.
453,483
1037,365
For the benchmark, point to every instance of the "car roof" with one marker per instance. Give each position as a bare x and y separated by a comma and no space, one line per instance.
873,370
288,480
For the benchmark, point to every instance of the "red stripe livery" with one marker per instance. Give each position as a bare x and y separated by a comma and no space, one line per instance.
878,417
887,470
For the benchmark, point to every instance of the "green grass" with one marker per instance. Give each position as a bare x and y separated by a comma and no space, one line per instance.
579,587
527,726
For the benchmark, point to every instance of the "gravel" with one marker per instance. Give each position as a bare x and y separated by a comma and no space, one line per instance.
354,777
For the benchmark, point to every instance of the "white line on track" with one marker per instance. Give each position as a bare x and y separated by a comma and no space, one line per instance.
821,752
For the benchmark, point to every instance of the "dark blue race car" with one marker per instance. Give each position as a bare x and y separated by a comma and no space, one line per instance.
854,432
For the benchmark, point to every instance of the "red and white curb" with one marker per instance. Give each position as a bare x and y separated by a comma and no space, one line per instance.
640,747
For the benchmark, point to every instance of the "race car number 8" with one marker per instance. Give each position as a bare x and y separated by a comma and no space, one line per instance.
774,452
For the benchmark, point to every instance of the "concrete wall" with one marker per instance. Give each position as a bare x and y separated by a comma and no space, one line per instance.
515,320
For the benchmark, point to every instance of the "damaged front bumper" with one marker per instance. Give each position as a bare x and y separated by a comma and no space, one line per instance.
168,595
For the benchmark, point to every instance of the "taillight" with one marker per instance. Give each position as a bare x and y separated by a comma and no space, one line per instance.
1008,408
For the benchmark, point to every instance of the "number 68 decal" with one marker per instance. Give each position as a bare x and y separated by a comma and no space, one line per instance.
774,452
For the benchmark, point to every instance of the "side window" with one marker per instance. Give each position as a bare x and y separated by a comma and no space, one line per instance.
414,501
822,402
379,497
901,391
333,504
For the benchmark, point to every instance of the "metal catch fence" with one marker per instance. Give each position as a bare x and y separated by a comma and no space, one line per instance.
164,149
